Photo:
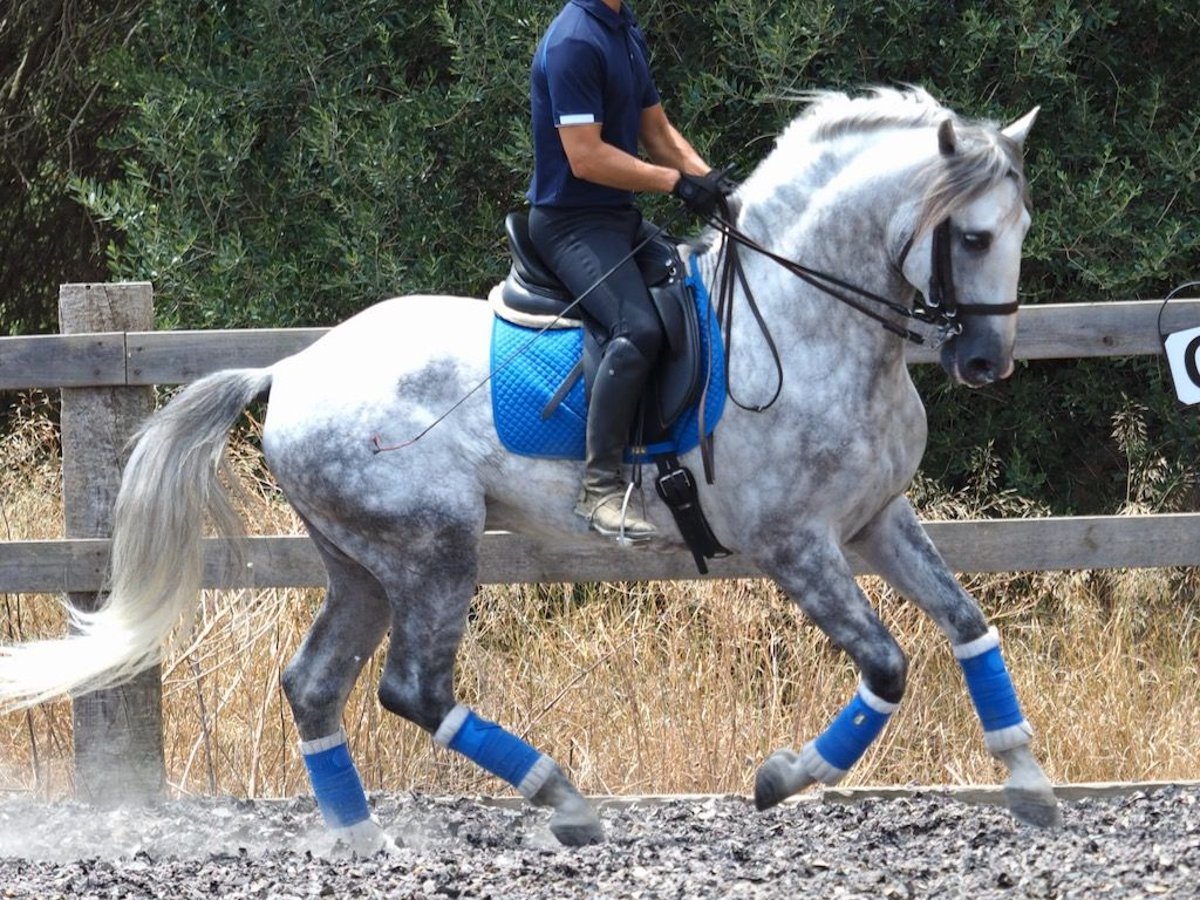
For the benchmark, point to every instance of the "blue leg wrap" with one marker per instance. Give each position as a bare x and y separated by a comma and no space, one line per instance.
992,692
847,738
490,746
335,782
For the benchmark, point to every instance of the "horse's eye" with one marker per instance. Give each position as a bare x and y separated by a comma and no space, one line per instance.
976,241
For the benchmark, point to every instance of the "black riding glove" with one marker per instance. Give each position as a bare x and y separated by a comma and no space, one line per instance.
700,193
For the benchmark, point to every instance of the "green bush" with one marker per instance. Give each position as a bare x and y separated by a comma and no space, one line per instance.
52,112
288,165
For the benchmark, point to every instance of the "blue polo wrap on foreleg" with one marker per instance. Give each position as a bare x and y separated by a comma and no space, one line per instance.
847,738
490,746
335,781
992,692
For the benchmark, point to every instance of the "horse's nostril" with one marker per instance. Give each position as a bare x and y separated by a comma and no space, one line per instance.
980,370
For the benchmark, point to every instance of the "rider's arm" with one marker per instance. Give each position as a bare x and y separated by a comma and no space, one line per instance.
666,146
594,160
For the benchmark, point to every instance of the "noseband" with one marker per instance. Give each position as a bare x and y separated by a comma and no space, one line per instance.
940,309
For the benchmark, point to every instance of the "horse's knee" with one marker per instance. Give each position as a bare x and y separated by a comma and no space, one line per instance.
885,672
415,700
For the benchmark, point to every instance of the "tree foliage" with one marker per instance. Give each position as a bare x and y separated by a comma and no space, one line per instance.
52,113
288,164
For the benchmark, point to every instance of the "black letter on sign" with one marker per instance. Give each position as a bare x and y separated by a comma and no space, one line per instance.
1189,360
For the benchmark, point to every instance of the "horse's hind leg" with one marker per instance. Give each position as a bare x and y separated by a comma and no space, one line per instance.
898,548
430,592
815,574
317,682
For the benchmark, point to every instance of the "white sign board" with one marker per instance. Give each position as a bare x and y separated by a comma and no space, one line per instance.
1183,350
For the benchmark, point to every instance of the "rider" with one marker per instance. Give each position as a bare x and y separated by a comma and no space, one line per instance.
593,100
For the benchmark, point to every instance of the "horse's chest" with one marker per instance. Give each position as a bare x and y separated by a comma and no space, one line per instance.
832,456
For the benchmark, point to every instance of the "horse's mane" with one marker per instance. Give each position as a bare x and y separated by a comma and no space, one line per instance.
832,114
983,155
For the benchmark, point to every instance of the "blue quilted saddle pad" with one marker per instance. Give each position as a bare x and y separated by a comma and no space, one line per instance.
529,367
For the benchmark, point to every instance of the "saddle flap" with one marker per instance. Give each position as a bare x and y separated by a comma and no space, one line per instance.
677,379
659,259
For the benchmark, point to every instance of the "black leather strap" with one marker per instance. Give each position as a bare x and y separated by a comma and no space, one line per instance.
677,488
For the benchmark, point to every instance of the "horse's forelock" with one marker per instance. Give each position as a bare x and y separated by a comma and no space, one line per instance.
982,159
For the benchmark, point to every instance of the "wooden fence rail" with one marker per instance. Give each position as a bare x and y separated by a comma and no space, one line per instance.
987,545
1051,331
107,359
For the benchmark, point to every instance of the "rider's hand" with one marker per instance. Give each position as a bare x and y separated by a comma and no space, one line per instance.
699,193
702,194
730,206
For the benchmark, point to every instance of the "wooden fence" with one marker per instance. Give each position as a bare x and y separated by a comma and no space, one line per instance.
108,358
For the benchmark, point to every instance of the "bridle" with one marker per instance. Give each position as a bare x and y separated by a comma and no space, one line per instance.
942,294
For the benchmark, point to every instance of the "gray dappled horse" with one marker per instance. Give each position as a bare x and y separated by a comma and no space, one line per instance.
854,188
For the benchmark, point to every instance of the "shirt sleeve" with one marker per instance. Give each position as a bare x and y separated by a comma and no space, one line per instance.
575,78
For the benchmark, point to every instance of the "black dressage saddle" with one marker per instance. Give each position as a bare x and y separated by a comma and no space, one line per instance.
534,293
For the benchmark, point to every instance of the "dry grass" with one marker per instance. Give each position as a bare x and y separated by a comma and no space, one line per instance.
660,687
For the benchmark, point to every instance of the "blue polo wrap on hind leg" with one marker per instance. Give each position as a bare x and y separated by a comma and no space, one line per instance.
847,738
992,692
335,781
490,746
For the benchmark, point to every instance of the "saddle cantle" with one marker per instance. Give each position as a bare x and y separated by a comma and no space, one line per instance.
533,297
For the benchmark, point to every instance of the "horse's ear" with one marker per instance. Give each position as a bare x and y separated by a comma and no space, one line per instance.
1019,129
946,139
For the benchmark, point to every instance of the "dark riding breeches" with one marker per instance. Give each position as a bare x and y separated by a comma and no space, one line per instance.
581,245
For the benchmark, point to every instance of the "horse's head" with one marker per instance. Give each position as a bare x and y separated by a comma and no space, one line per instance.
966,255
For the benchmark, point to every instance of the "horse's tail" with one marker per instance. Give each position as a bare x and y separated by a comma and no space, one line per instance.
169,486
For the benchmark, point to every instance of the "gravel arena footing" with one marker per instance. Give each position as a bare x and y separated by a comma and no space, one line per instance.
1144,843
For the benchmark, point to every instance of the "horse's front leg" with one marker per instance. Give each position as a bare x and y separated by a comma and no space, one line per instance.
898,548
811,568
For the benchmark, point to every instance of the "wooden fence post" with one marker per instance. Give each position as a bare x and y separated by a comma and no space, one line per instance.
118,732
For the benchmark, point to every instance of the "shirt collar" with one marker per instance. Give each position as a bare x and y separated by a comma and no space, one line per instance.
604,14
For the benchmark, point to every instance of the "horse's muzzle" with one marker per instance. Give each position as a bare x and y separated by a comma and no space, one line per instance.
975,366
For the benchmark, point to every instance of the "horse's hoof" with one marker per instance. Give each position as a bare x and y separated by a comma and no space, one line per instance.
775,779
366,839
1034,808
577,833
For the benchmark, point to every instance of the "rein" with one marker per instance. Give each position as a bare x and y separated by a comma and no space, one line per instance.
941,308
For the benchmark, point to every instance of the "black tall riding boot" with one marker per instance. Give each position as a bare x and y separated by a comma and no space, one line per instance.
616,390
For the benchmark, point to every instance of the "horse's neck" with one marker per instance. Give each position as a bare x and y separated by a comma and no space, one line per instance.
800,312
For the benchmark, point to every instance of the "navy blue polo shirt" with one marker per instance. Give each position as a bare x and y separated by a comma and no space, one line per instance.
591,66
